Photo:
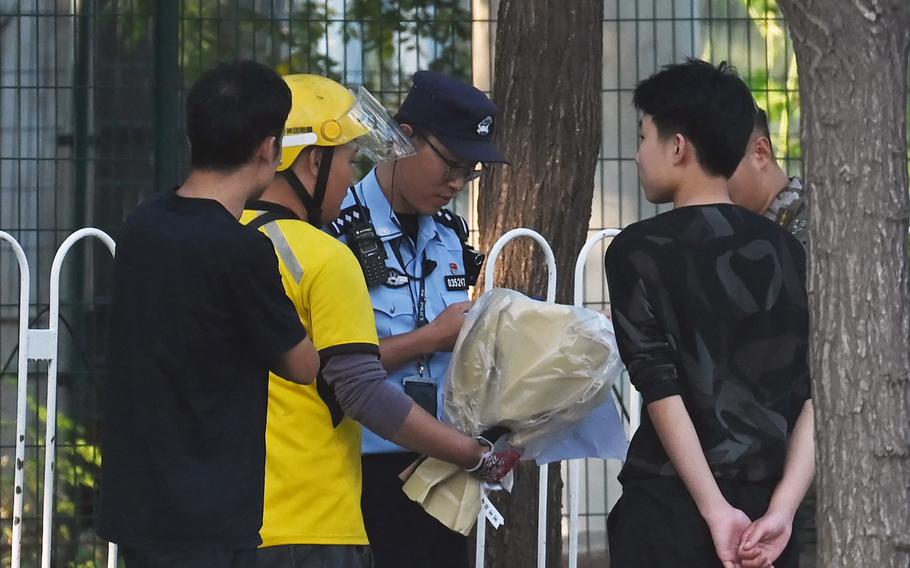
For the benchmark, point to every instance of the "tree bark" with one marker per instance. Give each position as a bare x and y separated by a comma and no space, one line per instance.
547,83
853,57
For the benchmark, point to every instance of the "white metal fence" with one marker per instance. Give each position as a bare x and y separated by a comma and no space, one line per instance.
42,344
544,471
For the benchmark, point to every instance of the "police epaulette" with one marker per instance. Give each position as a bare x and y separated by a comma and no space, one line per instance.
455,222
348,216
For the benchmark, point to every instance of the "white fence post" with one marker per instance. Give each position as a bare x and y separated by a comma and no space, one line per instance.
41,344
48,351
574,481
479,558
21,396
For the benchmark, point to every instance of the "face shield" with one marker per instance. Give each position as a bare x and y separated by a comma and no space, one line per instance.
382,138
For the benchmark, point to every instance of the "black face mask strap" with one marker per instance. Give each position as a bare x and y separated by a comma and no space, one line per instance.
312,208
313,203
322,180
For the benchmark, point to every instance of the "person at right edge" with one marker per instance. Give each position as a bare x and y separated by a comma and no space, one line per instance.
710,309
760,185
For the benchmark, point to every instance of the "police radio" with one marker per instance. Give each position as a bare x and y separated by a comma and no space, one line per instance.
369,252
355,224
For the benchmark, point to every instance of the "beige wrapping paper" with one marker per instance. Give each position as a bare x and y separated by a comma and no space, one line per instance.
530,366
447,492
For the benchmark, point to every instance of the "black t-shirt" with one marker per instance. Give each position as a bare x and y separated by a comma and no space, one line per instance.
709,303
198,314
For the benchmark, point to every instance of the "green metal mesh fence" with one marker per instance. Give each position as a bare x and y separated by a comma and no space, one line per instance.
91,95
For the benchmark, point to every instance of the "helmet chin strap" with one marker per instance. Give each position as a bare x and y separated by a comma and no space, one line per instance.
313,203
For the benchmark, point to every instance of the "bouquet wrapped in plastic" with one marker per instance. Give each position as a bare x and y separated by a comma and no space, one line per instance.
538,370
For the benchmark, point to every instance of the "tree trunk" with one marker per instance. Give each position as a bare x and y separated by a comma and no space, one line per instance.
547,83
853,60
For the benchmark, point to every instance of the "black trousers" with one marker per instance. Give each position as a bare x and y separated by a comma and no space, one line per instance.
196,558
655,524
314,556
402,534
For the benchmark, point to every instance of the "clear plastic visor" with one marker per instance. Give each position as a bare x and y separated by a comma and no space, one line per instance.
383,139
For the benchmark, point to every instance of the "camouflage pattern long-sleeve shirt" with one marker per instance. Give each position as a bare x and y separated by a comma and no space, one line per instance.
790,210
709,303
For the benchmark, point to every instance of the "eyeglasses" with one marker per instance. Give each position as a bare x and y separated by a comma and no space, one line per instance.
456,171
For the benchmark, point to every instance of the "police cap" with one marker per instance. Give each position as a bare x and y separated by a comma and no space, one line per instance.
458,114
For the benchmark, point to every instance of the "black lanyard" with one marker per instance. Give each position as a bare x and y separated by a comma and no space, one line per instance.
422,302
420,305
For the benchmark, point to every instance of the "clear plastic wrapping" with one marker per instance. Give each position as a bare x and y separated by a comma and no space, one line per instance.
543,371
530,366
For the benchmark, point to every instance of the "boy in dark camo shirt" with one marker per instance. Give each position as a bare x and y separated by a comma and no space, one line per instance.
710,308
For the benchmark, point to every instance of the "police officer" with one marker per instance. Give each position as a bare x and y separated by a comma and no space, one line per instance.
313,439
760,184
418,276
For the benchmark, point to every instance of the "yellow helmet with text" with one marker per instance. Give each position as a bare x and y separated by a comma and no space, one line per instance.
325,113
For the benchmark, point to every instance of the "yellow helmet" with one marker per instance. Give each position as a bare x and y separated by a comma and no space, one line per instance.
320,115
325,113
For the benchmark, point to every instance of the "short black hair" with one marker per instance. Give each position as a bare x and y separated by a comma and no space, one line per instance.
230,110
761,123
711,106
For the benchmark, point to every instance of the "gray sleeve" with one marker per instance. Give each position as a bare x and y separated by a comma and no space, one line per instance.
360,385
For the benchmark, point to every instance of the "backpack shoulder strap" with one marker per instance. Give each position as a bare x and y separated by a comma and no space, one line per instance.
268,217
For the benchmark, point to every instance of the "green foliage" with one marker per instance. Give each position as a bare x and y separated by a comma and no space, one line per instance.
77,467
409,24
294,44
310,36
763,7
774,82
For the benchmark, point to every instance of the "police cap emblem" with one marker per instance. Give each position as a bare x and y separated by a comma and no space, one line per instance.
483,127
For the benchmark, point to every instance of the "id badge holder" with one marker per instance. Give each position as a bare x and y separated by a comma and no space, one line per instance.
422,390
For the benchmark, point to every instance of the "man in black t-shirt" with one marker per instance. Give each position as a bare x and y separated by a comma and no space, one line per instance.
199,316
710,308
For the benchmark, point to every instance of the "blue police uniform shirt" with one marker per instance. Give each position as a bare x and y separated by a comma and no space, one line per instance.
395,301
